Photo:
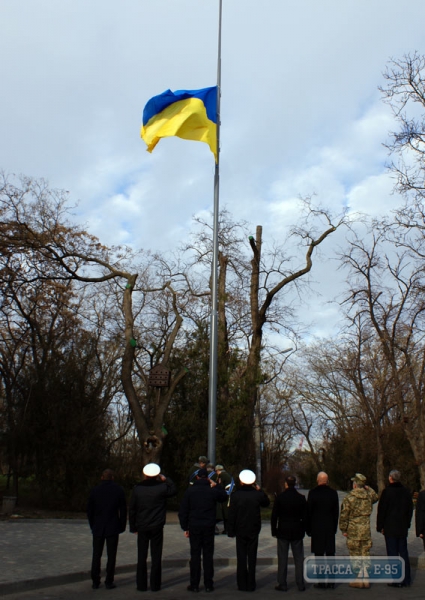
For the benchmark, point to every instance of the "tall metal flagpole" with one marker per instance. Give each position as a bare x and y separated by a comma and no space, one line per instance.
212,390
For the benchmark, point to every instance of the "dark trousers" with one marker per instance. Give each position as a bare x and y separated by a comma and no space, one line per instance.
246,555
397,546
111,550
202,542
155,538
297,548
330,577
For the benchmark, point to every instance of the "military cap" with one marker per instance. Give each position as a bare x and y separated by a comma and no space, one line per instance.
247,477
151,470
203,459
359,478
219,468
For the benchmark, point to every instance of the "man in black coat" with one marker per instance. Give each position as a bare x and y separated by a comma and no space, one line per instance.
322,524
197,519
395,509
245,523
107,515
288,522
420,516
147,513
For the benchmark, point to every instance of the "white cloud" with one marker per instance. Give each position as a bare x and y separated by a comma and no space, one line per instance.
301,113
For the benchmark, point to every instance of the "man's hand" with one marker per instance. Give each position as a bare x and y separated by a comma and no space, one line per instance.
257,487
212,483
421,535
344,534
162,477
186,534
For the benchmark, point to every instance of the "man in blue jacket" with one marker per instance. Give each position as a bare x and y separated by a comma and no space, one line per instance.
107,515
147,513
288,522
197,519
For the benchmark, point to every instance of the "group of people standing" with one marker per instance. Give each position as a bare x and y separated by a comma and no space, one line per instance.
318,516
293,516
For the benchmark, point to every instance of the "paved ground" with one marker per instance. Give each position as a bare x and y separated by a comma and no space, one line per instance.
36,555
175,581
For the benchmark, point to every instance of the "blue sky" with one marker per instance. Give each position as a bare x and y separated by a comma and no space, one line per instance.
301,112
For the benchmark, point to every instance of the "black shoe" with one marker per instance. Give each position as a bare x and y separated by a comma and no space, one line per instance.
281,587
96,586
110,586
142,589
192,588
301,588
155,589
209,589
319,585
396,585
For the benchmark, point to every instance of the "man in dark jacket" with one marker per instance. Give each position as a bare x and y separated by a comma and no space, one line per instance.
322,524
395,509
420,516
107,515
147,513
288,524
245,523
197,519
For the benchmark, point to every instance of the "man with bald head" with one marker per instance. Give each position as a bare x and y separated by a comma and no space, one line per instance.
323,512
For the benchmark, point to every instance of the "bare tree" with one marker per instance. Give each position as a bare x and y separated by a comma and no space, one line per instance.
34,224
386,288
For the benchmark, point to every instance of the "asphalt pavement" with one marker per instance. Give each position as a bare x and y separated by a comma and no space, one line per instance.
50,559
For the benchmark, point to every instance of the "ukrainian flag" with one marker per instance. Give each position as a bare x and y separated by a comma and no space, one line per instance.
188,114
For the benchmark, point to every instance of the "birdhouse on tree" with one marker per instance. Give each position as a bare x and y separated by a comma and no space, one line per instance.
160,376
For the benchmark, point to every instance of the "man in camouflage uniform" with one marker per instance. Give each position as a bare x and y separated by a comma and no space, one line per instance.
354,523
225,480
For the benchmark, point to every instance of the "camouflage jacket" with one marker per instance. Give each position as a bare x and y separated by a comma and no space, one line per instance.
355,513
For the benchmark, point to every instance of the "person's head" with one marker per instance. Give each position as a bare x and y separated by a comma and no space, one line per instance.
322,478
202,473
203,461
151,470
247,477
107,475
290,482
210,467
394,476
359,480
219,469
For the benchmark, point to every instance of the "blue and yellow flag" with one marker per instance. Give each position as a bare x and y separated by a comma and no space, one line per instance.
188,114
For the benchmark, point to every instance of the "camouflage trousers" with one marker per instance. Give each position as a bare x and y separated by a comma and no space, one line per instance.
359,548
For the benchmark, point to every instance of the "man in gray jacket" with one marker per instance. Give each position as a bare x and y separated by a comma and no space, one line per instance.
147,513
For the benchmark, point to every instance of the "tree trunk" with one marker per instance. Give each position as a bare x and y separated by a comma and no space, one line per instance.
380,470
